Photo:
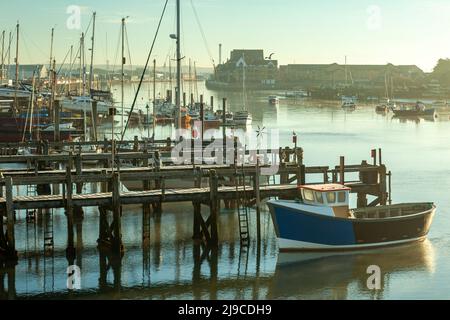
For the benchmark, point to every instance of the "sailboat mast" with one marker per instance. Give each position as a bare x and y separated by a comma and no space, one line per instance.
70,71
178,90
9,55
83,64
123,71
32,104
91,71
17,57
243,81
190,81
154,97
195,79
3,57
51,50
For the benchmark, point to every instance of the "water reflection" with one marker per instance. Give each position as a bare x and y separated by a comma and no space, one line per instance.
322,275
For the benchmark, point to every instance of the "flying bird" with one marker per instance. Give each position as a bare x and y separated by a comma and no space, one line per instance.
270,56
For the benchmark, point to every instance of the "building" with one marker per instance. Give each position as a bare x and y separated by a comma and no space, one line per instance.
335,75
258,70
26,72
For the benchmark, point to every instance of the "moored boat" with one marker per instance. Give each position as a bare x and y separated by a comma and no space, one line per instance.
322,220
274,100
242,118
418,110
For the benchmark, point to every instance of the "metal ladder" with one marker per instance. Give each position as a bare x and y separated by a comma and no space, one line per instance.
31,214
48,233
244,231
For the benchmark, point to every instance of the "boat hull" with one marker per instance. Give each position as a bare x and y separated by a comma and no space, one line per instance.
300,230
414,113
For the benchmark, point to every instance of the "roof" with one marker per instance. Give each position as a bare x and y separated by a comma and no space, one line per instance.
326,187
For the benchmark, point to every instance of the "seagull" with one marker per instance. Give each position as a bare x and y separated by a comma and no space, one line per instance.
270,56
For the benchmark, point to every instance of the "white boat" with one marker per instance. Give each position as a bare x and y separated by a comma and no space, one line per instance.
243,118
62,127
349,103
274,100
84,103
10,93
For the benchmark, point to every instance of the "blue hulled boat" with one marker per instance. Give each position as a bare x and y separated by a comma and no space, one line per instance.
322,220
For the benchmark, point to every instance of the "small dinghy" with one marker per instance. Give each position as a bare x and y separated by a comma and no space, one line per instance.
322,220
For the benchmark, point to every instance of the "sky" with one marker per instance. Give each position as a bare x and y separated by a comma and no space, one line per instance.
296,31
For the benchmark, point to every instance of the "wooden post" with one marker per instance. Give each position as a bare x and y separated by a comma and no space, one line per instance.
57,133
79,171
184,99
202,119
10,215
214,205
224,129
197,234
212,102
379,157
70,251
301,169
136,144
342,170
94,119
383,185
258,203
390,187
117,245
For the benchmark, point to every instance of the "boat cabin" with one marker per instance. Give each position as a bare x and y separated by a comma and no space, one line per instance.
335,197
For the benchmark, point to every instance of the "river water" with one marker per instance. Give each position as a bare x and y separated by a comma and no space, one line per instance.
169,267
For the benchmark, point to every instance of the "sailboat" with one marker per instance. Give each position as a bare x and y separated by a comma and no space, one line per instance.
387,103
243,117
83,102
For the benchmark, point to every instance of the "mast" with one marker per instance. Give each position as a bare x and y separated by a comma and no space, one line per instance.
123,71
80,79
243,82
3,55
51,50
91,71
83,64
178,90
346,77
9,53
17,69
195,79
70,71
17,57
190,81
32,105
154,97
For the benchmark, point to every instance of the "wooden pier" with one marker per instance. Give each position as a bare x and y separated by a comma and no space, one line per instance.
231,186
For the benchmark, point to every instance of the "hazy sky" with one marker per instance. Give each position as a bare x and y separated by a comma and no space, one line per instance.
313,31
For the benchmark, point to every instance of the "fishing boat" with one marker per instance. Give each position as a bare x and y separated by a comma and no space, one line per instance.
349,103
418,110
382,108
274,100
322,220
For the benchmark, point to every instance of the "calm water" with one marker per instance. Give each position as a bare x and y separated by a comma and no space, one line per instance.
418,154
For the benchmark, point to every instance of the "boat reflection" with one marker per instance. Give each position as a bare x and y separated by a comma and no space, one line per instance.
332,275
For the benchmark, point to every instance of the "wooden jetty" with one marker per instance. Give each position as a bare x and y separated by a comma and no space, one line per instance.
244,188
